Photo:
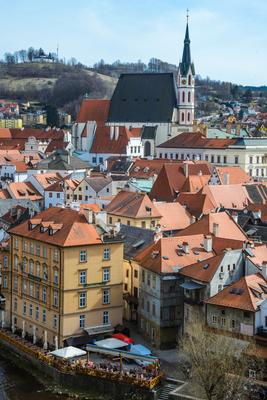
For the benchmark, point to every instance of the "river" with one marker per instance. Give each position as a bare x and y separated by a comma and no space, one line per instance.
17,384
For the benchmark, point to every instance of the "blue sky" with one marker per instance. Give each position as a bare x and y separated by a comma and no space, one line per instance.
228,37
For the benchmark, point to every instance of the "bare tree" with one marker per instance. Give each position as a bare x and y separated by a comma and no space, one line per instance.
218,363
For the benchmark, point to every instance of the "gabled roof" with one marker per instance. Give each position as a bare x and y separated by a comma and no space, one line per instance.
61,160
135,239
174,216
98,183
72,228
196,140
23,190
47,179
204,270
144,168
236,175
93,110
196,203
132,205
102,143
245,294
231,197
227,228
143,97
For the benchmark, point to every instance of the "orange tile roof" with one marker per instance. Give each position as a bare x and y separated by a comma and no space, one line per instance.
166,255
72,228
259,254
93,207
205,270
196,140
24,190
227,196
227,227
236,175
143,168
242,294
196,203
47,179
103,144
93,110
174,216
4,194
132,205
259,207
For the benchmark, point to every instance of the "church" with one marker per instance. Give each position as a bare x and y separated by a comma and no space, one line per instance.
145,110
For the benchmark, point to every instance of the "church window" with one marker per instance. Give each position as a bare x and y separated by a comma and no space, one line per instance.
182,117
188,117
183,97
189,97
189,80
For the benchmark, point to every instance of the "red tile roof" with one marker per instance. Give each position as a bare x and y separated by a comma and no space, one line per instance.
72,228
24,190
174,216
93,110
196,140
103,144
236,175
196,203
205,270
245,294
143,168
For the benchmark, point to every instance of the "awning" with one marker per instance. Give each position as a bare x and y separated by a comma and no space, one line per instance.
68,352
111,343
192,285
77,341
96,330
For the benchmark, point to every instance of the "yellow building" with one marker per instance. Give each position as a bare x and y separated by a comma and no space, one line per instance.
11,123
134,209
66,276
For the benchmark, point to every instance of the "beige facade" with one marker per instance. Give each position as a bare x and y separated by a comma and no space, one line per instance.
130,290
147,223
59,291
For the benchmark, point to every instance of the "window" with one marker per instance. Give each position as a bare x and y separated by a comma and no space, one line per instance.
45,273
154,281
214,319
82,321
44,295
44,252
128,223
189,80
94,160
24,287
30,310
58,195
189,97
82,300
188,117
136,292
5,285
262,172
236,159
212,159
105,317
44,315
225,159
206,157
25,246
233,324
83,277
55,298
233,267
153,309
50,194
24,308
110,220
106,296
31,266
16,262
16,244
229,267
56,255
160,155
15,304
125,287
218,159
55,321
223,320
31,248
251,160
106,274
37,313
148,306
38,269
37,291
143,276
15,283
136,273
55,276
148,279
258,159
183,97
106,254
5,261
143,224
221,268
83,256
182,116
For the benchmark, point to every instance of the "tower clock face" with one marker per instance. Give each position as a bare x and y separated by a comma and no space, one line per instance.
184,81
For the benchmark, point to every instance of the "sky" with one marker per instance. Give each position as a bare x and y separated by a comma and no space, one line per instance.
228,37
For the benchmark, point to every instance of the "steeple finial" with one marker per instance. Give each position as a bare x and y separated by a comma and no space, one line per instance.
187,15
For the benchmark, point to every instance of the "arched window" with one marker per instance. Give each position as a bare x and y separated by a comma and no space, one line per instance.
147,149
183,97
189,97
189,80
182,116
188,117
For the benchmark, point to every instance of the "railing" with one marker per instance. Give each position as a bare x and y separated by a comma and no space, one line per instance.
79,369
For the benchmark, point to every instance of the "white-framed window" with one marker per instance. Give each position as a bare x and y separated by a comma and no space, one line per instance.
56,276
44,252
38,269
56,255
31,248
24,308
15,304
45,272
37,313
44,294
44,315
214,319
25,245
83,256
16,262
5,282
30,310
31,289
55,298
106,254
31,267
24,287
38,250
16,244
106,296
82,321
83,277
55,321
105,317
15,283
82,299
223,321
106,274
5,261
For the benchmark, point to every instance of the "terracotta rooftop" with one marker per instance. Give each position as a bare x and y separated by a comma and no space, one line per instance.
93,110
245,294
72,228
174,216
258,254
236,175
227,196
47,179
132,205
196,203
143,168
196,140
204,270
23,190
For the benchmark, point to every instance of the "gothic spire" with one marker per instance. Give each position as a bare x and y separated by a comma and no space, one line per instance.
186,60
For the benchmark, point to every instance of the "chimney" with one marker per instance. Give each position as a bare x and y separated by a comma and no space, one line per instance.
89,215
186,169
207,243
215,229
111,132
235,217
264,269
226,178
186,247
117,132
192,219
157,234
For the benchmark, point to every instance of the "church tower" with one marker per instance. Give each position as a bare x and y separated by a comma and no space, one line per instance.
186,86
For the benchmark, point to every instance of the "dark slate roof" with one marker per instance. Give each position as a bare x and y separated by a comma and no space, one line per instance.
254,193
186,60
135,239
121,166
144,97
61,160
149,132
